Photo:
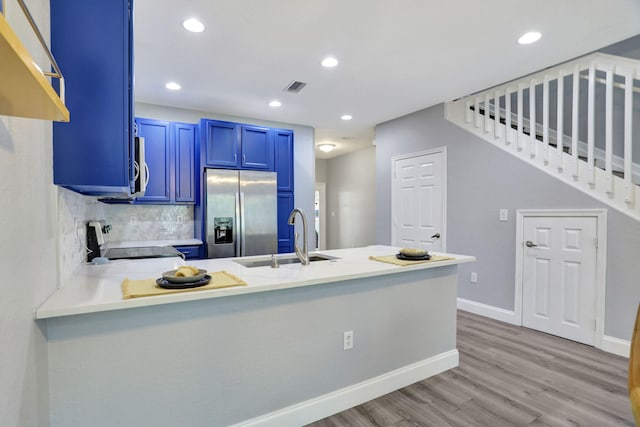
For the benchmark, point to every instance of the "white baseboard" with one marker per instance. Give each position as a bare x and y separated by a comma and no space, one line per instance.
616,346
337,401
609,344
489,311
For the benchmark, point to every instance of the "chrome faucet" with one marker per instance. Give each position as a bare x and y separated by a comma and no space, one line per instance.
303,255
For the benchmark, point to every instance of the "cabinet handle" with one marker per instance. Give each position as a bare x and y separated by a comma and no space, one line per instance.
235,158
244,159
148,175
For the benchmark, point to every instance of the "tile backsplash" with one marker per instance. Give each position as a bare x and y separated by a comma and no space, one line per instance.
149,222
74,210
129,222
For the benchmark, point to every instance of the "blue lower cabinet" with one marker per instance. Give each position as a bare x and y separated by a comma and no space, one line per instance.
190,252
286,233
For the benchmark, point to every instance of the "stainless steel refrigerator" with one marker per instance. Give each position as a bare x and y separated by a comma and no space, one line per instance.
241,213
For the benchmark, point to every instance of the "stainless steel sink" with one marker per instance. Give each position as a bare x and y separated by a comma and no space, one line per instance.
283,259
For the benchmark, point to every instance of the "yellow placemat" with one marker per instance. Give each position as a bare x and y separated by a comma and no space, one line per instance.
392,259
148,287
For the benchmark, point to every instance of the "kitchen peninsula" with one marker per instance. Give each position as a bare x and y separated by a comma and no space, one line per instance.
269,353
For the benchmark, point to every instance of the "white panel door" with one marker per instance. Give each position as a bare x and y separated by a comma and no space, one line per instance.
417,201
559,276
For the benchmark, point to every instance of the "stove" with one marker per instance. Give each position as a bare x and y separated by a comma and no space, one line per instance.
143,252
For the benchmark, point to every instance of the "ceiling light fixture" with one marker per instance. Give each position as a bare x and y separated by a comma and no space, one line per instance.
530,37
173,86
193,25
346,117
329,62
275,103
326,147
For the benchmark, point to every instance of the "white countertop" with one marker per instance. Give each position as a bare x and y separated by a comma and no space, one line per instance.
146,243
95,288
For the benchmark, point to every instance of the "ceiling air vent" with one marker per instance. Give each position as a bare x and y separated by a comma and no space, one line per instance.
295,86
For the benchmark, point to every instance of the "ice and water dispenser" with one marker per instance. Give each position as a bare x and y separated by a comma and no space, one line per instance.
223,230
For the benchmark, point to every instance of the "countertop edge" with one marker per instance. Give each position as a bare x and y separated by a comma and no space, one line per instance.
43,312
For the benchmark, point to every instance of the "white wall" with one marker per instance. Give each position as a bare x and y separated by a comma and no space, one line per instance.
28,249
483,179
351,199
304,150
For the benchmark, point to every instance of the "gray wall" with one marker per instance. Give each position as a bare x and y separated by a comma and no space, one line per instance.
351,199
304,154
321,170
28,248
482,179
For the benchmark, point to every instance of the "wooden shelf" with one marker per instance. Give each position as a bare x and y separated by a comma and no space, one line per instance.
24,90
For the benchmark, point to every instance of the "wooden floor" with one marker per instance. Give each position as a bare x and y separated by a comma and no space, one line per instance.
508,376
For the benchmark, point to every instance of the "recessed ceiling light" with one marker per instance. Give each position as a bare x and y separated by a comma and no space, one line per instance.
346,117
275,103
530,37
326,147
193,25
329,62
173,86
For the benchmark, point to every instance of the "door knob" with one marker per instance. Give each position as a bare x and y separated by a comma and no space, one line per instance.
530,244
436,236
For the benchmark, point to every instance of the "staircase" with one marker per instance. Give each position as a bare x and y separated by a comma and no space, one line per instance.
575,121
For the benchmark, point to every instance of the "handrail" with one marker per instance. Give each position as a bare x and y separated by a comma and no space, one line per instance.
508,115
43,43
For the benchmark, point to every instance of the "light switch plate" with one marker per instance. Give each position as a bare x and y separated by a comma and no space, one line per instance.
504,214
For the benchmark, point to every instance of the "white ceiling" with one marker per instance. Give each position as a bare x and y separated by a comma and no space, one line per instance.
395,57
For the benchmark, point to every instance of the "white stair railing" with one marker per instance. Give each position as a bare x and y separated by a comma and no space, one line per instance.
574,120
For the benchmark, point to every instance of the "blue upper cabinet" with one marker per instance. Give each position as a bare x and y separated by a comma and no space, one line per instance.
184,137
92,42
284,159
236,146
170,156
158,157
220,143
257,148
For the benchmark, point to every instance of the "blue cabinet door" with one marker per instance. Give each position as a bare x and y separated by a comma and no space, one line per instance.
285,231
284,159
92,42
158,156
184,137
257,148
220,142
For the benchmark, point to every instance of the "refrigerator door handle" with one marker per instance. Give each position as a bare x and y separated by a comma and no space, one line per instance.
243,246
237,229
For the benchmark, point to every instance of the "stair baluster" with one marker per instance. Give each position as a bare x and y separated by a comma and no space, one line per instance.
628,140
546,139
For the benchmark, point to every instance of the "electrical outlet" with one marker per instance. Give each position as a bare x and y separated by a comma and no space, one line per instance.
504,215
348,340
474,277
180,219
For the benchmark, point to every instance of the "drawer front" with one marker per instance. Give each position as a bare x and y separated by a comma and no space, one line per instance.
190,252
